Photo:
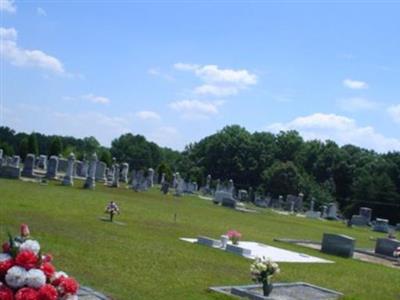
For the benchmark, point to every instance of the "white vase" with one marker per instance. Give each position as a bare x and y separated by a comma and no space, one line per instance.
224,241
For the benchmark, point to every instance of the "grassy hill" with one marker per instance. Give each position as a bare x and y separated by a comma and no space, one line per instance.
146,260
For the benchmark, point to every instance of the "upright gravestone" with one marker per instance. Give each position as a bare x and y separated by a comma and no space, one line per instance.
15,161
386,246
162,178
381,225
69,175
78,168
231,187
115,182
175,180
85,168
218,187
366,213
42,163
331,211
1,157
29,164
62,165
242,195
180,186
90,182
52,167
338,244
311,213
324,209
124,172
150,177
101,171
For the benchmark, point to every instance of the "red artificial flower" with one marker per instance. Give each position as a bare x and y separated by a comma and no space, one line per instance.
48,269
47,292
68,285
25,230
27,294
47,258
6,247
4,266
6,293
26,259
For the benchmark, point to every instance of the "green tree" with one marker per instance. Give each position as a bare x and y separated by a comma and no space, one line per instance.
33,146
282,178
56,147
23,148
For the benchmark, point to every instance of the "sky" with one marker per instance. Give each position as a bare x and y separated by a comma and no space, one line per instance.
178,71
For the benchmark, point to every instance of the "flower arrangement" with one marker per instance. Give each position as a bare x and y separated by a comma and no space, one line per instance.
27,274
234,236
262,270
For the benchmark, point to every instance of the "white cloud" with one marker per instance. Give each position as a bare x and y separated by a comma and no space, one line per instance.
341,129
215,90
20,57
157,73
41,12
219,82
8,34
8,6
394,112
148,115
196,109
355,84
96,99
356,104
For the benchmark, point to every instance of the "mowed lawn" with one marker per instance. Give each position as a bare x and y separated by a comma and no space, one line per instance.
145,258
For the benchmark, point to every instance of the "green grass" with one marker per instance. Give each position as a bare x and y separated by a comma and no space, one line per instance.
145,259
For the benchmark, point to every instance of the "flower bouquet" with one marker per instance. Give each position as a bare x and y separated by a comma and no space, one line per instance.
27,274
234,236
396,253
262,270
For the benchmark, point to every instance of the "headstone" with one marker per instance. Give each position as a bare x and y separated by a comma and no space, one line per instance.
42,162
52,167
165,187
386,246
115,182
381,225
358,220
162,178
84,171
101,171
298,205
206,241
124,172
242,195
338,244
231,187
180,187
69,175
311,214
366,212
29,163
324,209
150,177
1,153
236,249
10,172
15,161
90,182
219,195
174,180
397,227
78,168
62,165
229,202
218,186
331,211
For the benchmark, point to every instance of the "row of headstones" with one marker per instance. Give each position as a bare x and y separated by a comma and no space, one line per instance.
364,219
179,184
344,245
220,187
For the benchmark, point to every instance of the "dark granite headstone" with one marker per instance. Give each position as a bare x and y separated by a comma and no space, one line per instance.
206,241
386,246
236,249
338,244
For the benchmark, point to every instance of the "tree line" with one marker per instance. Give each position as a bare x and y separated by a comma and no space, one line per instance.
274,164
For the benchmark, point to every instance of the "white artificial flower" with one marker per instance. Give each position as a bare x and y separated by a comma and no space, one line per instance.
16,277
30,245
57,275
70,297
35,278
4,257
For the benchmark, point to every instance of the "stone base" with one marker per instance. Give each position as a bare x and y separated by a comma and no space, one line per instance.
90,183
27,173
10,172
280,291
68,181
236,249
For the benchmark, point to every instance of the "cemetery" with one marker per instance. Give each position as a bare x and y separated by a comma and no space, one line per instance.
176,231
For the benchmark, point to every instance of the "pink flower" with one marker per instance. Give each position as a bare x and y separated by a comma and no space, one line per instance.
27,294
26,259
25,230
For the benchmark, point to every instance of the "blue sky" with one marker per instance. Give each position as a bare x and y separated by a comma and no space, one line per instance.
177,71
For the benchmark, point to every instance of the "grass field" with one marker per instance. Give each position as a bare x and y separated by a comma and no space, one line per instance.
145,259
